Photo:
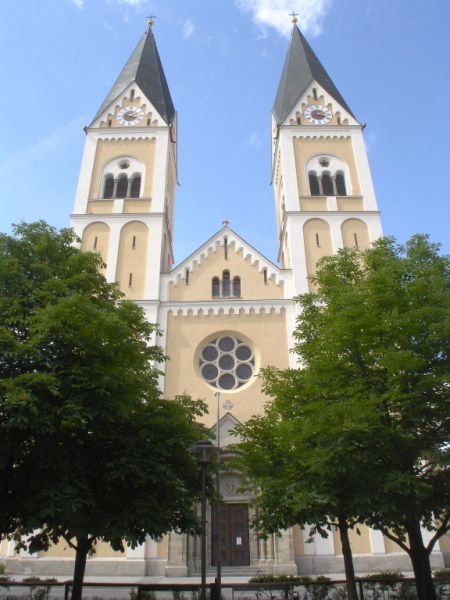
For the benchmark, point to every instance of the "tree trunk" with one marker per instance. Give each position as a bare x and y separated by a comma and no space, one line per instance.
83,547
420,562
348,559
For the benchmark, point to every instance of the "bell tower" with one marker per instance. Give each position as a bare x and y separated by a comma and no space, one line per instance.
124,203
324,193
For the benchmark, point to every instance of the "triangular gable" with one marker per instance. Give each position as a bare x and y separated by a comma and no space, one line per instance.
226,425
233,239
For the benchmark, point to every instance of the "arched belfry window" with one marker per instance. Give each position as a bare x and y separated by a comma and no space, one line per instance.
314,184
122,186
237,287
327,185
341,190
226,283
108,187
135,186
215,287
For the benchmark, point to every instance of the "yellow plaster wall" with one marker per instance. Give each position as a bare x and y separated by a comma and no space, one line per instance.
162,549
132,259
352,227
97,207
3,547
349,203
200,279
63,550
392,547
360,544
101,232
142,149
298,536
444,542
313,250
342,148
136,206
185,336
313,203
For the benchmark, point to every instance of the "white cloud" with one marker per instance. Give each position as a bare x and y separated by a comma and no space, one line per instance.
44,150
135,3
371,140
78,4
275,13
188,28
255,140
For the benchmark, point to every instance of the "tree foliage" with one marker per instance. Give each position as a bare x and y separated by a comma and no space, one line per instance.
362,428
88,448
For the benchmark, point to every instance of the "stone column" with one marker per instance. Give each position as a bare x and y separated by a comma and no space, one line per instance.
284,554
377,541
176,564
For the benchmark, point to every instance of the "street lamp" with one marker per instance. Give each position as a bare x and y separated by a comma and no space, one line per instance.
203,452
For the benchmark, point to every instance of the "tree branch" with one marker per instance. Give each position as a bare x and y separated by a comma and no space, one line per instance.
445,526
395,539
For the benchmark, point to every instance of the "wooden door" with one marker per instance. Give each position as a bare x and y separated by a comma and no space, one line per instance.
234,535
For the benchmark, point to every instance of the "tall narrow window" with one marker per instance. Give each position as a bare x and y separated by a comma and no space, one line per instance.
340,184
132,95
355,237
108,187
133,244
215,287
265,275
314,187
135,186
237,287
187,276
226,283
317,240
315,93
327,185
122,186
130,280
225,247
95,243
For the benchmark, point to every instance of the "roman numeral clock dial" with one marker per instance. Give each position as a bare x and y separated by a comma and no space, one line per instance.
318,114
130,115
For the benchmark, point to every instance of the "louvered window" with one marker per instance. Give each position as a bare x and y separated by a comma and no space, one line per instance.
237,287
215,287
340,184
122,186
226,283
108,188
314,185
327,185
135,186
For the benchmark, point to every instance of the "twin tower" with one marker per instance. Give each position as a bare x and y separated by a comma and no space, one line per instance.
226,310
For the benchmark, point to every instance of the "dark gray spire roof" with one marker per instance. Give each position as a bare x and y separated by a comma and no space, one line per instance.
145,69
301,68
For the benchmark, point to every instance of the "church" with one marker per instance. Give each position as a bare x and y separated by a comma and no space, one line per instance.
226,310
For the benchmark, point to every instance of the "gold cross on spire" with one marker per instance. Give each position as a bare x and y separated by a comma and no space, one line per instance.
294,17
151,20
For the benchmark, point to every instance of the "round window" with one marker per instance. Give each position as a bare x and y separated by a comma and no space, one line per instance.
226,363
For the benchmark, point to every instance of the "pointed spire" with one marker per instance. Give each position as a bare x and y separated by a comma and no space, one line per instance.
301,68
145,69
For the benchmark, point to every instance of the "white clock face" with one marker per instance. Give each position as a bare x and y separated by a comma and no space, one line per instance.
318,114
130,115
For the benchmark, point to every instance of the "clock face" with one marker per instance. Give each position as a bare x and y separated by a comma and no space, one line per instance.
318,115
130,115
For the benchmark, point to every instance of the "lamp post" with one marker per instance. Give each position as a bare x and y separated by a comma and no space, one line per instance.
218,585
203,452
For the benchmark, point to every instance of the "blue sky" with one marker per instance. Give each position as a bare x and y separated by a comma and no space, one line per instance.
223,59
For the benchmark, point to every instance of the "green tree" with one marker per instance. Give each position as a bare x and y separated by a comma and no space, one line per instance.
89,449
373,342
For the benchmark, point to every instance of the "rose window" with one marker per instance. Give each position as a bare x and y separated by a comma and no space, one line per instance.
227,362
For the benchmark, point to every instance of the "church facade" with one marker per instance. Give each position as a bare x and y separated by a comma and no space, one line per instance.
226,310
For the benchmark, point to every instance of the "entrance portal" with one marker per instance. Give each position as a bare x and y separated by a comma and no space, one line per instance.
234,535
